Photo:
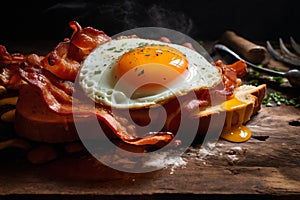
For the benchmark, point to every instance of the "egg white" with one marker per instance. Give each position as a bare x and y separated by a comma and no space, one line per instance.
98,79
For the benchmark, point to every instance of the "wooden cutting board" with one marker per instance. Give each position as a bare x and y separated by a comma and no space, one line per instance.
266,166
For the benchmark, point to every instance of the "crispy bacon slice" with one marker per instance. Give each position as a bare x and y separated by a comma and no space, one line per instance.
86,39
9,77
54,97
8,59
10,64
58,62
231,75
65,60
239,67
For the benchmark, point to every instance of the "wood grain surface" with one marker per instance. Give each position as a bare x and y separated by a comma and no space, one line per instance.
265,167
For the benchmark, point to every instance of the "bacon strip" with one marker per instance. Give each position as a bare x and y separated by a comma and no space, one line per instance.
231,76
9,76
8,59
66,86
88,38
58,63
9,66
50,93
65,60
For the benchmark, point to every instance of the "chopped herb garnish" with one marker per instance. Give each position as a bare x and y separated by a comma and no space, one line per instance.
253,74
260,66
269,104
277,69
118,51
97,72
148,54
112,48
141,73
254,82
276,99
277,79
123,44
142,44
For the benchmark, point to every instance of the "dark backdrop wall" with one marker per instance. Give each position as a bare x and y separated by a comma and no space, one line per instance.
254,19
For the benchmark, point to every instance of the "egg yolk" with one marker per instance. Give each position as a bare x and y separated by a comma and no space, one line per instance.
232,104
239,134
151,68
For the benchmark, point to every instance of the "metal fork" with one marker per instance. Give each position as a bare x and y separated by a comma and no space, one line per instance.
285,55
292,75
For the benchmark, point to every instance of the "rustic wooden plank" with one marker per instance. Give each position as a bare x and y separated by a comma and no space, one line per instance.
195,178
269,167
266,166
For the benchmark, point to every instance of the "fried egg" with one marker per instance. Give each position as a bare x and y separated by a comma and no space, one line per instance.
139,73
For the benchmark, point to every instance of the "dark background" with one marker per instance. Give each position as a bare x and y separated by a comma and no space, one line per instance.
202,20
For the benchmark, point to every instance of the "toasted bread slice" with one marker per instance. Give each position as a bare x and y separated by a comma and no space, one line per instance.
246,102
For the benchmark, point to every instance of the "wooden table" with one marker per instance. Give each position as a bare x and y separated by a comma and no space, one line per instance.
265,167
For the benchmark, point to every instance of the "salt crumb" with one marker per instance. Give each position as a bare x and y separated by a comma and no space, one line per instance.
164,160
